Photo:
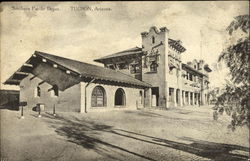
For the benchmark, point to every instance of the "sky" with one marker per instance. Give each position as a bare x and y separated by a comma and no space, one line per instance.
77,30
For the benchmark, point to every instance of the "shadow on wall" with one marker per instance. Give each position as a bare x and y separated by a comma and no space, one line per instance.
87,134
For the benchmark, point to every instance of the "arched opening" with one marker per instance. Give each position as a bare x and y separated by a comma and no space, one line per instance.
98,97
141,97
153,39
120,98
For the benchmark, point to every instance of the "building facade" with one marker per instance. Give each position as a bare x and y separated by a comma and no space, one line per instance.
149,76
159,63
72,86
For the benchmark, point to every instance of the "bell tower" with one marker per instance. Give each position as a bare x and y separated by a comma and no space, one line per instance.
155,63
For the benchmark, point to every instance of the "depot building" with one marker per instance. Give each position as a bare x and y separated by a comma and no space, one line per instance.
152,75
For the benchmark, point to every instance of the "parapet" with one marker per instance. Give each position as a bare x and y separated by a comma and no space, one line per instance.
153,28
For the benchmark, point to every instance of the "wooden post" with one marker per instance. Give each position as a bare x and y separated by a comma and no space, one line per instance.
22,117
54,110
39,111
22,104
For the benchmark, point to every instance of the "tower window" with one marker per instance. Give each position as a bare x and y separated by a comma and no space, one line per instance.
153,66
191,77
153,39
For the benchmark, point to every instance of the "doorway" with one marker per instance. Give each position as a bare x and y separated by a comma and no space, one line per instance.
120,98
155,96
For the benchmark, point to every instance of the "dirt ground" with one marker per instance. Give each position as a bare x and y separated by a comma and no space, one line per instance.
178,134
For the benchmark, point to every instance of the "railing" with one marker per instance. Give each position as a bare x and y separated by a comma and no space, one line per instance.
191,83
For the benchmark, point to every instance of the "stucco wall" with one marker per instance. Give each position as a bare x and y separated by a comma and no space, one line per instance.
132,97
156,79
68,100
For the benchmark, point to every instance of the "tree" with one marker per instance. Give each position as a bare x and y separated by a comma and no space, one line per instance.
235,100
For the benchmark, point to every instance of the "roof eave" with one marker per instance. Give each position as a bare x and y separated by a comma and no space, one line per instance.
101,59
193,69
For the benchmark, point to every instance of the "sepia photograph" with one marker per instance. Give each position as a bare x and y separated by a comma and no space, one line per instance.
124,81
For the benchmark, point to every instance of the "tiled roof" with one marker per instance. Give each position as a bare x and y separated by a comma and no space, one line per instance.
131,51
90,70
136,50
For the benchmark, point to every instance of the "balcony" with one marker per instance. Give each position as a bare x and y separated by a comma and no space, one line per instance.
189,83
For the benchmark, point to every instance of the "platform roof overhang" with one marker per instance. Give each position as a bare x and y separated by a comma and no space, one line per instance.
79,70
20,74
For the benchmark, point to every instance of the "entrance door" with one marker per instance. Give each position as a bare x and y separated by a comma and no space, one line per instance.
155,96
120,98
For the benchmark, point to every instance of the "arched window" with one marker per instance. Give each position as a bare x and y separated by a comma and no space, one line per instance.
153,66
120,98
98,97
37,91
55,91
141,97
153,39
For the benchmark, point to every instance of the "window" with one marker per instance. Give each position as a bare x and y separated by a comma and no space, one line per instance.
191,77
171,70
98,97
135,68
198,66
37,92
123,66
153,39
55,91
111,67
153,67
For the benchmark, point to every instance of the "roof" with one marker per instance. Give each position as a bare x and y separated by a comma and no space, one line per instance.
88,70
206,67
176,44
136,50
6,91
131,51
190,68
